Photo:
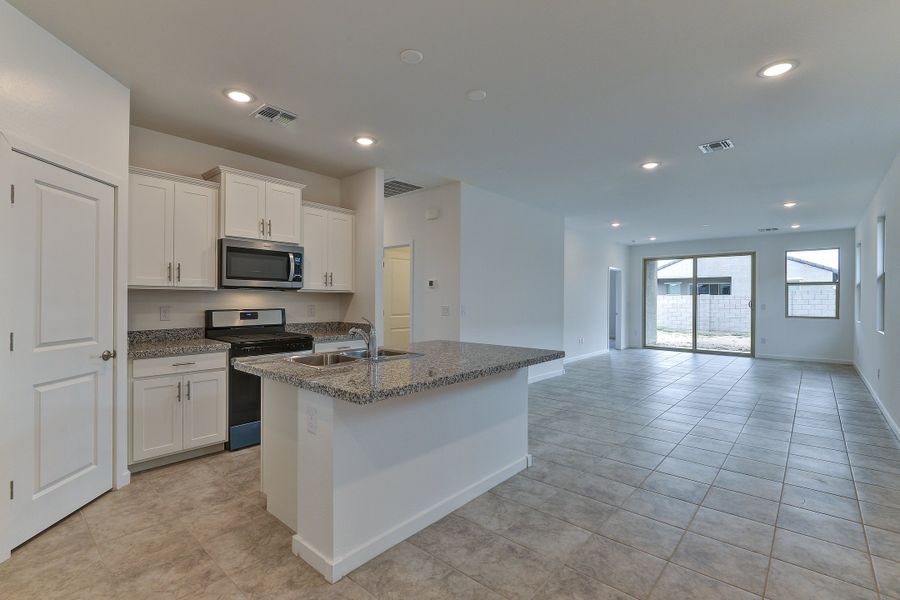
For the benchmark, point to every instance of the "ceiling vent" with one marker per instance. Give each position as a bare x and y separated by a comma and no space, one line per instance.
711,147
275,115
395,187
767,229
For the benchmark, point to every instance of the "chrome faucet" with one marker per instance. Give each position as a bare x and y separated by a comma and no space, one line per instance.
369,336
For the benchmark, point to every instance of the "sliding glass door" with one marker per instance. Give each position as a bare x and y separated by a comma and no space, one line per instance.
700,303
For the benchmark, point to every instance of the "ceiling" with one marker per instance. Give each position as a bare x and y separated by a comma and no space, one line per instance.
580,93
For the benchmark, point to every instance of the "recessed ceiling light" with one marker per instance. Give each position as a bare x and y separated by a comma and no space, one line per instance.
778,69
650,165
790,204
795,226
652,238
476,95
365,140
707,226
615,224
239,96
412,57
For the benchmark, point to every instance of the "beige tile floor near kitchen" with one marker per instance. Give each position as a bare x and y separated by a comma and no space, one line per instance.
657,475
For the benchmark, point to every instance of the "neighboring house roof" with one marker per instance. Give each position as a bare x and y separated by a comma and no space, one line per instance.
809,263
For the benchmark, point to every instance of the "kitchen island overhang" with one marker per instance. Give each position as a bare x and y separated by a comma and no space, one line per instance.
356,459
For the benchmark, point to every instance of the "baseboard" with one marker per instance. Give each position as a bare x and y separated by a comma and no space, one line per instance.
174,458
548,375
887,416
570,359
808,359
123,479
334,570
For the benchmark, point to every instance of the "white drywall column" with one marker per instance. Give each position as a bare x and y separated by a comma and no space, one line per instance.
364,193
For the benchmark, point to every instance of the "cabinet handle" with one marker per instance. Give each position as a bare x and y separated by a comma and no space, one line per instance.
178,271
169,275
262,227
325,277
270,227
188,390
184,364
330,278
179,391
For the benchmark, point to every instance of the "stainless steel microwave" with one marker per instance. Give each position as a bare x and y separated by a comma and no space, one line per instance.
259,264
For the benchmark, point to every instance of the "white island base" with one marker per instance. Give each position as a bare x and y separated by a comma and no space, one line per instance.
352,480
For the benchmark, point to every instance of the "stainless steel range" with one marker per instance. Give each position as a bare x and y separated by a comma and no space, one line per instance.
251,333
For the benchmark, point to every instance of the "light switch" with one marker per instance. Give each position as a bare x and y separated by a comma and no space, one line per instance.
310,310
165,313
445,310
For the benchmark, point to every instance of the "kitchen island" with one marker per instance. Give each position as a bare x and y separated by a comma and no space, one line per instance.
358,457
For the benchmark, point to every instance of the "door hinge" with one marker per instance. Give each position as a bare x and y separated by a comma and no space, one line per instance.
12,193
12,341
12,490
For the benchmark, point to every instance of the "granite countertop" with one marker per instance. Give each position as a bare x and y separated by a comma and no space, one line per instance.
160,343
442,363
328,331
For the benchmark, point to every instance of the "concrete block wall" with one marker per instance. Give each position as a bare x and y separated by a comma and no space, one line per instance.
812,301
724,314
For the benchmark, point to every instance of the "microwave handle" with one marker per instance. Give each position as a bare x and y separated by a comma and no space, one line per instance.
292,262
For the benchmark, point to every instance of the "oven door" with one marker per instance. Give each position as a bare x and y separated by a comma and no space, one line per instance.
258,264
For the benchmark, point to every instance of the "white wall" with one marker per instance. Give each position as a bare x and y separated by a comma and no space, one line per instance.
807,339
435,256
55,99
588,257
171,154
875,351
364,193
511,274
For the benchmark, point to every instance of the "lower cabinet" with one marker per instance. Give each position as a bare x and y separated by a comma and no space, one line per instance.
175,412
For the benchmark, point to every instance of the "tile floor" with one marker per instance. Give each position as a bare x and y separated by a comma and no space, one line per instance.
657,475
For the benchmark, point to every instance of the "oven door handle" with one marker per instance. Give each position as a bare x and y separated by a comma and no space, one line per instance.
293,266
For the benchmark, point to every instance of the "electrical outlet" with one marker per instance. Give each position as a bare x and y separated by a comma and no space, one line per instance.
762,306
310,310
312,420
165,313
581,340
445,310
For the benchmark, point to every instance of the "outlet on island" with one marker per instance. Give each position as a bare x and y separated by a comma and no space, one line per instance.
165,313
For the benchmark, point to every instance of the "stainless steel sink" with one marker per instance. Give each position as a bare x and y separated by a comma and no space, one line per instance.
322,361
383,354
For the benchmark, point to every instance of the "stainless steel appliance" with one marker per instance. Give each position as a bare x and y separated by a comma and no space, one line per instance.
259,264
251,333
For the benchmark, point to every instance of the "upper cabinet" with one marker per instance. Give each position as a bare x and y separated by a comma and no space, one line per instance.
327,248
259,207
171,231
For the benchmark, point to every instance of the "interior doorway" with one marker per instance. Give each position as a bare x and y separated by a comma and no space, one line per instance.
615,303
398,296
701,303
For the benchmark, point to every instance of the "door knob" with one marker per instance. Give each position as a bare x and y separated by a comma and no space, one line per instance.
107,354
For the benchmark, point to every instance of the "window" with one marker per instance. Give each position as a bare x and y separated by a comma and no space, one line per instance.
857,297
711,286
812,283
880,300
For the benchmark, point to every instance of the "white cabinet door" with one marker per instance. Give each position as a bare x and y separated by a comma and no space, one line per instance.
245,206
156,414
340,251
315,234
195,236
284,209
151,212
205,407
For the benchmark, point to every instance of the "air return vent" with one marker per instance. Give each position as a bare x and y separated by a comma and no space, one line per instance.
395,187
716,146
275,115
767,229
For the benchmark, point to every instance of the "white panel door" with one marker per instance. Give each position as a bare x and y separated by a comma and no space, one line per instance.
156,415
195,236
59,393
315,234
205,408
340,251
284,207
245,206
150,215
397,297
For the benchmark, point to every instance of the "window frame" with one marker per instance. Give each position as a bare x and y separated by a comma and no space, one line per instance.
880,270
857,290
837,284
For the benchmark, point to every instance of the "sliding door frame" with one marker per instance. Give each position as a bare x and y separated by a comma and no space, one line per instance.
694,296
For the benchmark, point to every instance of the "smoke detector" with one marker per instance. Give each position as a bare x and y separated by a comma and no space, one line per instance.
395,187
716,146
273,114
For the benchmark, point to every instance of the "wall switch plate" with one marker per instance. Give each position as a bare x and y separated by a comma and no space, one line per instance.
310,310
165,313
445,310
312,420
